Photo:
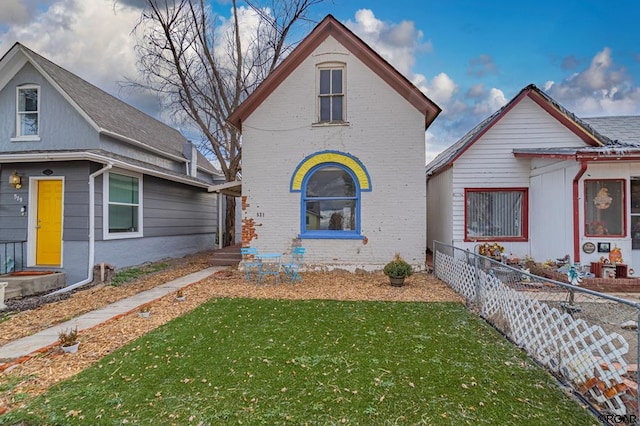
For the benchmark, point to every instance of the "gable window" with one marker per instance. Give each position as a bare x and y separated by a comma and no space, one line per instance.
330,203
28,112
123,206
331,94
604,207
496,214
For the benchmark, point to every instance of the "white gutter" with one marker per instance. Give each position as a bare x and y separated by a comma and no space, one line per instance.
92,231
74,156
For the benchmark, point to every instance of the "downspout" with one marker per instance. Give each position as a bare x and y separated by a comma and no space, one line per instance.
576,212
92,231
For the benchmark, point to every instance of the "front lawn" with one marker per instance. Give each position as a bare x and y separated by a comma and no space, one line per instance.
252,361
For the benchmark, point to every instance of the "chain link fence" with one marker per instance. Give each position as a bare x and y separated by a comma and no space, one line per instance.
588,340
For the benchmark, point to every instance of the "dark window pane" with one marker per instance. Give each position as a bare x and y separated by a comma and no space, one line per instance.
123,218
336,80
28,100
123,189
325,82
28,124
604,207
325,109
331,182
335,215
337,108
635,195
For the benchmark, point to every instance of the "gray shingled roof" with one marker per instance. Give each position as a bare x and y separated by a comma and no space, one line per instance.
623,129
610,132
113,115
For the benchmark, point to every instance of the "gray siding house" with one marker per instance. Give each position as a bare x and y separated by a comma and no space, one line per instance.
86,178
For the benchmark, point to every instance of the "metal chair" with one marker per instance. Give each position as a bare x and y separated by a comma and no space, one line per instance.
292,268
250,261
270,265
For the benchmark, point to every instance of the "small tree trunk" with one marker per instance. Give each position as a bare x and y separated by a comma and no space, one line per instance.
229,222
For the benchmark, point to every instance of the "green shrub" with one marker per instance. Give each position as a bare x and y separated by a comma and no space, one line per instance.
398,268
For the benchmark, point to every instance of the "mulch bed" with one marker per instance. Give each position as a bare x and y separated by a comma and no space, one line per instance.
42,370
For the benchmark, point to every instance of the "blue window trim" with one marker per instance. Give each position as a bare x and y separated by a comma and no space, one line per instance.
329,234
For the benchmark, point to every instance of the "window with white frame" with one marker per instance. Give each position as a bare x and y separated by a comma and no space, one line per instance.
123,215
331,97
496,214
28,112
330,203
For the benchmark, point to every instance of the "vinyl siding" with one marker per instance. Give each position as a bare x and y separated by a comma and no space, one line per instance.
174,209
490,163
60,127
439,208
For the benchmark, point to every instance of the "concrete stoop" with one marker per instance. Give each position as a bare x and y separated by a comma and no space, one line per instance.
28,285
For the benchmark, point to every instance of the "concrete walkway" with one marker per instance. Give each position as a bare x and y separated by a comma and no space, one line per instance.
48,337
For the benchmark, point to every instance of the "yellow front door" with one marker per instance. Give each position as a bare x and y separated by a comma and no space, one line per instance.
49,223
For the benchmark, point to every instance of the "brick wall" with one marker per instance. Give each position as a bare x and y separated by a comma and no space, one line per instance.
603,285
384,132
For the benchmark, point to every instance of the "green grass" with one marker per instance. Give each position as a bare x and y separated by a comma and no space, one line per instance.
266,362
130,274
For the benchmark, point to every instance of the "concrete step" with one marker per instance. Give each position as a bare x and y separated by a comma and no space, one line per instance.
23,284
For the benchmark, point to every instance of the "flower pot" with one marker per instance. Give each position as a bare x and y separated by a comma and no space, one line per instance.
71,349
396,282
144,314
181,298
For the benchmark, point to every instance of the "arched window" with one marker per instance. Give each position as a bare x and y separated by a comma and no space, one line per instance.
330,203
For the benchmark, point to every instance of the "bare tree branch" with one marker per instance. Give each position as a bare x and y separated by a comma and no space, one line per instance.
202,67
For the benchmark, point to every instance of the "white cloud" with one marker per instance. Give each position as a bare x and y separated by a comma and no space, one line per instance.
20,12
603,88
89,38
398,43
493,101
481,66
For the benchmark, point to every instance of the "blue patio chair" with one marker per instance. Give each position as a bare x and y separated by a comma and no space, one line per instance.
292,268
250,261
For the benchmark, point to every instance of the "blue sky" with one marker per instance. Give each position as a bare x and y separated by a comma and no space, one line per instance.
470,57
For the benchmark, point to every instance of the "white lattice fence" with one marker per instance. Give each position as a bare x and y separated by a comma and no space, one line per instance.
591,359
456,270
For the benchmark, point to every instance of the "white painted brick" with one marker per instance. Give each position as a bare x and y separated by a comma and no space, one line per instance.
385,133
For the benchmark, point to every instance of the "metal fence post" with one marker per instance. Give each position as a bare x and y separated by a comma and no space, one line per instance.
477,281
435,251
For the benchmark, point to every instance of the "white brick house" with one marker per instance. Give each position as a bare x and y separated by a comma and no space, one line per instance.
334,156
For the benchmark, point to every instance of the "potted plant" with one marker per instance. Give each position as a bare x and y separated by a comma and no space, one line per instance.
397,270
180,295
145,311
69,340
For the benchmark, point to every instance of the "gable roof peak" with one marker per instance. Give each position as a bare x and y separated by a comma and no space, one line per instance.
106,113
579,127
330,26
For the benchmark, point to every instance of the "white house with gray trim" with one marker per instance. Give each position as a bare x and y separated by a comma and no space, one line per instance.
334,155
541,182
99,181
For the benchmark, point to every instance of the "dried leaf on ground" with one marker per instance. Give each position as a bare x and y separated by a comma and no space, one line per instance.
38,373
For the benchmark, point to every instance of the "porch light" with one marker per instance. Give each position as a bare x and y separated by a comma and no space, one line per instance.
15,180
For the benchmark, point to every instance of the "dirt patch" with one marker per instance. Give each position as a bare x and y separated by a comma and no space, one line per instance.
34,375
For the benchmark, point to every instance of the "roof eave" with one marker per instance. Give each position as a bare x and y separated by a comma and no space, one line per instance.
88,156
332,27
